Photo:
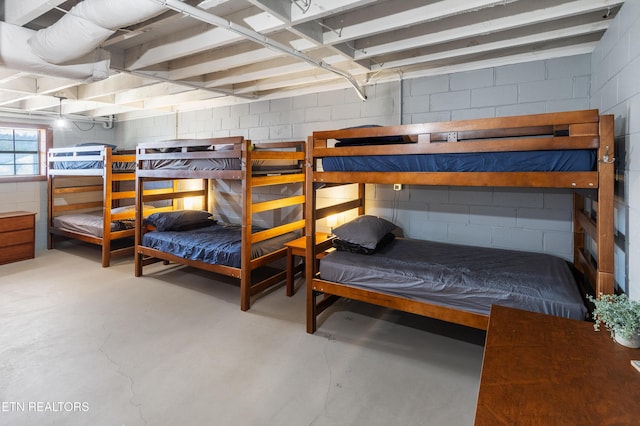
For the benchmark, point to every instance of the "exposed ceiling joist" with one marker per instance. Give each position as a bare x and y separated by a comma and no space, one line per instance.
202,54
20,12
259,38
489,26
541,37
386,20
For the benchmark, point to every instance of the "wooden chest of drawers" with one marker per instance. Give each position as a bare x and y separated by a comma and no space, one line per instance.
17,236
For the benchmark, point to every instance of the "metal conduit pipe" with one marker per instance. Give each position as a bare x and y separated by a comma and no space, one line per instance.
212,19
106,122
153,76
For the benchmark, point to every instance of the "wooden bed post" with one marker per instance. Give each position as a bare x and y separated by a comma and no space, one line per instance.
139,187
605,219
107,178
578,232
50,210
247,199
206,198
310,232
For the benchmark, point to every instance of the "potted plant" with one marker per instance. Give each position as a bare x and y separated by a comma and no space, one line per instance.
619,315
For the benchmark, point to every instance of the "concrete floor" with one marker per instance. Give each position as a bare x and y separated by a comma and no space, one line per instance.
83,345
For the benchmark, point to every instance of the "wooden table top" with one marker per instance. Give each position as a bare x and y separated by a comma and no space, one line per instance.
545,370
301,243
4,215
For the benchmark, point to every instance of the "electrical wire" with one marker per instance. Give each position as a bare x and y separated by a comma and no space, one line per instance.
84,130
306,4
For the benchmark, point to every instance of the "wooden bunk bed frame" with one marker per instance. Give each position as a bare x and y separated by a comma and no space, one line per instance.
247,153
578,129
69,188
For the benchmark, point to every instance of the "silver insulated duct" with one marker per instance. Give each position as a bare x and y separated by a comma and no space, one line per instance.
87,25
70,47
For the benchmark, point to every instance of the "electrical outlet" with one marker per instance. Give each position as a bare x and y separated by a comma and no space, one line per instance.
397,187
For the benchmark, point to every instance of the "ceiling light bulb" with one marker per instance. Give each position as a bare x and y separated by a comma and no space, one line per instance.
60,122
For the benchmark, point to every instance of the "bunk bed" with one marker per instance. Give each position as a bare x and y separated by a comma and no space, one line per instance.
572,150
91,194
271,178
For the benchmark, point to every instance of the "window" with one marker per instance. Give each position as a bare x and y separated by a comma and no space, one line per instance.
23,149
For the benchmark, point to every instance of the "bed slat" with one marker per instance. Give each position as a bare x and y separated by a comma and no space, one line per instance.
584,180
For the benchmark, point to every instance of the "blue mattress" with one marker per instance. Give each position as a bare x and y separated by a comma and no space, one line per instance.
219,244
517,161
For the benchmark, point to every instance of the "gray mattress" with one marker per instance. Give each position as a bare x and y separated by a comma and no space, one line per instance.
116,166
463,277
89,223
194,164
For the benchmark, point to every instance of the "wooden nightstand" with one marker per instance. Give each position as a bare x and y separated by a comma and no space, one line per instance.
17,236
298,247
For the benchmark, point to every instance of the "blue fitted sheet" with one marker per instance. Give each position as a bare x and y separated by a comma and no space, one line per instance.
219,244
517,161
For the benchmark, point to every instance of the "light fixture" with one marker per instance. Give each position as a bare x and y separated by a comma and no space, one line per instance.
334,221
189,203
60,122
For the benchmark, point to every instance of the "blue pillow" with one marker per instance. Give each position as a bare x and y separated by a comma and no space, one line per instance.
180,220
375,140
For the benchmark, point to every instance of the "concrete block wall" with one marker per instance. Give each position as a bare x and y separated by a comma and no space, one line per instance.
553,85
522,219
615,89
514,219
77,133
274,120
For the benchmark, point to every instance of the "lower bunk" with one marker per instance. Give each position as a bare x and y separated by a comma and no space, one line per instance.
198,241
451,282
90,228
455,283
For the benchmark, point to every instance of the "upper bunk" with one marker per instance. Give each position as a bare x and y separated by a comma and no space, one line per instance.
232,158
552,150
91,160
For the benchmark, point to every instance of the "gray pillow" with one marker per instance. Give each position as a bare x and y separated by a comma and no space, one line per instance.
373,140
366,231
180,220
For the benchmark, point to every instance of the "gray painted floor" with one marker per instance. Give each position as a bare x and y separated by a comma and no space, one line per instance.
83,345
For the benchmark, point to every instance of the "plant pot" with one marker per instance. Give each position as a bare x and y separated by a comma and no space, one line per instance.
633,342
